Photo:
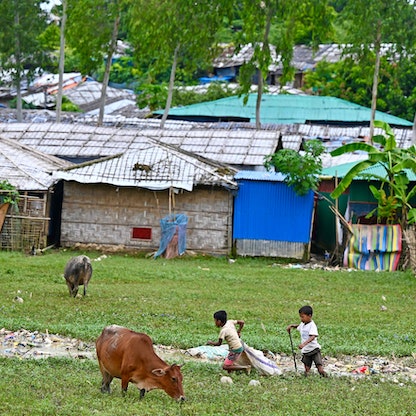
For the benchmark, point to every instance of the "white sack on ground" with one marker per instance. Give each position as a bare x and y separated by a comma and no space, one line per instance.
258,361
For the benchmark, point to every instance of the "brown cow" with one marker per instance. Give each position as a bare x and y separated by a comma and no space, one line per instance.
130,356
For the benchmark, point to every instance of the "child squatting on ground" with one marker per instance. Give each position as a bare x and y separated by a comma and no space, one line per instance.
231,335
311,350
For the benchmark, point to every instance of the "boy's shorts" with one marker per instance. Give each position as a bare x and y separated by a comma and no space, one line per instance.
233,356
312,357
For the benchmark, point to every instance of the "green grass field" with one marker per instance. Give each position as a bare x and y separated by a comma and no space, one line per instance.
173,301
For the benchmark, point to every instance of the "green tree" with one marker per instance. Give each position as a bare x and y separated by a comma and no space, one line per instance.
92,28
21,53
286,19
352,81
302,169
180,36
370,23
154,95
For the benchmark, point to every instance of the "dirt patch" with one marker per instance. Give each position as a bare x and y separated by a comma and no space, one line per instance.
37,345
27,344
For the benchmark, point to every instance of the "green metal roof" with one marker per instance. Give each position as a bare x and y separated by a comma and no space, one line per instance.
338,171
341,170
283,109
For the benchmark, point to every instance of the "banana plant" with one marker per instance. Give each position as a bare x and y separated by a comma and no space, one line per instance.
394,202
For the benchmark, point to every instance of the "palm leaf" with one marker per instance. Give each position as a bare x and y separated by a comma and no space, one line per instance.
385,126
408,163
350,175
390,141
353,147
412,193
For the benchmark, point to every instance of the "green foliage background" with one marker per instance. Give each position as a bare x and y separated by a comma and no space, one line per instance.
352,81
199,27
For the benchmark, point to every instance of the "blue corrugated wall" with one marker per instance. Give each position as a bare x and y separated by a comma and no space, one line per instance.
272,211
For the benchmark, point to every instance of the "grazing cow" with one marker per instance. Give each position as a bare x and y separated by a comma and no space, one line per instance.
130,356
78,271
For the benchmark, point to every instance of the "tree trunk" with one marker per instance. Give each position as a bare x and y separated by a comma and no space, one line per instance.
265,52
258,101
106,77
170,89
19,71
61,63
377,47
410,239
19,112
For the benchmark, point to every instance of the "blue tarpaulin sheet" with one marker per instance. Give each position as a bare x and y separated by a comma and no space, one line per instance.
173,224
208,80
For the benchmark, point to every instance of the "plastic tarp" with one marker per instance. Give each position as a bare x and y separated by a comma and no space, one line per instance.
208,352
173,227
374,247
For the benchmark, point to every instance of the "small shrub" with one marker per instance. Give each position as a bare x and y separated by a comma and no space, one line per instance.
8,193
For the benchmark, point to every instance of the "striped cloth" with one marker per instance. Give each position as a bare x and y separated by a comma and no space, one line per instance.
374,247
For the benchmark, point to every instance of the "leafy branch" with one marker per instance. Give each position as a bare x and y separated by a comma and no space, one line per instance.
8,193
301,169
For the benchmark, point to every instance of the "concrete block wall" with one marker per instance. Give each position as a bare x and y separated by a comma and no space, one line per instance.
105,215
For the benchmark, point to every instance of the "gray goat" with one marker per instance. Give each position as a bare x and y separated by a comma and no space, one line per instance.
78,271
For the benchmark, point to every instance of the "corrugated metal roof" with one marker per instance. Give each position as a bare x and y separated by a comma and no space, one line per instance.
155,166
285,109
27,169
89,93
304,57
341,170
243,147
292,141
238,144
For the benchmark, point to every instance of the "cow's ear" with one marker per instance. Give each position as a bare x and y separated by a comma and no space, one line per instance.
178,365
159,372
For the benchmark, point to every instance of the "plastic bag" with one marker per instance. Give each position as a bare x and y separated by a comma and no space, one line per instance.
262,364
